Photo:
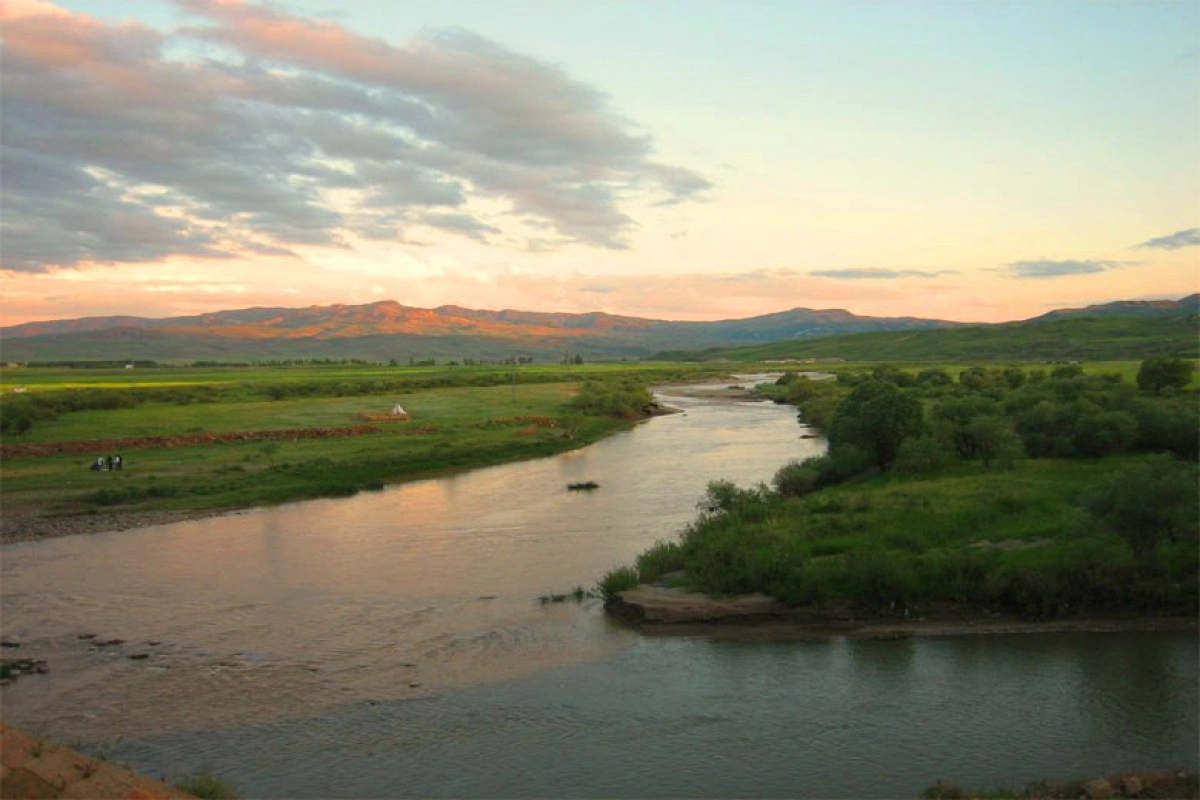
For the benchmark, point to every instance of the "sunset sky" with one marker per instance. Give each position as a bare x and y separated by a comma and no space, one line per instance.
676,159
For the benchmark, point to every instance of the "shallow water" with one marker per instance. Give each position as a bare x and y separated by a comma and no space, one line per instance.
701,718
391,644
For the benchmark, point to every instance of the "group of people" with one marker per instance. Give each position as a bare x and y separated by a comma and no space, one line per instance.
106,463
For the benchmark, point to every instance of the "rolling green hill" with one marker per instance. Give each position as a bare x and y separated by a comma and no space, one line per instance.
1093,338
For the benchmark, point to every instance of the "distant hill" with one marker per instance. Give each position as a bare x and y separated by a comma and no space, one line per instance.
1107,337
1129,308
388,330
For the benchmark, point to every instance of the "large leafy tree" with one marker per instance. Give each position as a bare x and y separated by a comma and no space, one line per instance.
1164,372
876,417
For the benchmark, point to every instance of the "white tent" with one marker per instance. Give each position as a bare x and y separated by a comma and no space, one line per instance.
399,411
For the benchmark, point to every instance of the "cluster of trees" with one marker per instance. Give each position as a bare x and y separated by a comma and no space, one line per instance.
889,419
98,364
624,398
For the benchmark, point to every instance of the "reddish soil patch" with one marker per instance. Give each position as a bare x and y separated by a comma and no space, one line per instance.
179,440
34,767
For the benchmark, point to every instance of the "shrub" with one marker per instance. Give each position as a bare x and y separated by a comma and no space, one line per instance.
660,559
1168,425
625,398
617,580
1103,432
207,786
922,455
1146,502
16,418
796,479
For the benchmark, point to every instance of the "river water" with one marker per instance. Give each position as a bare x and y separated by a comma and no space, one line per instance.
392,644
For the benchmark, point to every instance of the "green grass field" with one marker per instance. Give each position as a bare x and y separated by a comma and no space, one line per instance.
455,426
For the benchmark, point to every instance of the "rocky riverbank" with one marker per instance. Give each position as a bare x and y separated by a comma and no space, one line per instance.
1173,785
32,524
667,610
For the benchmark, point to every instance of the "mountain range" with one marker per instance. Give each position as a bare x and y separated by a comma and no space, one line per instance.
388,330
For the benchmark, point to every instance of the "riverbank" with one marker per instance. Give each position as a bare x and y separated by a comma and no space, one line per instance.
1170,785
25,524
673,611
34,767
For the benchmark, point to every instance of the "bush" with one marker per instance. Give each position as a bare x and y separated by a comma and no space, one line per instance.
1104,432
1147,502
627,399
1168,426
16,418
616,581
922,455
662,558
796,479
207,786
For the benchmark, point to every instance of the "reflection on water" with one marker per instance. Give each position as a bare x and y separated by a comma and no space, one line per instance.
697,718
429,584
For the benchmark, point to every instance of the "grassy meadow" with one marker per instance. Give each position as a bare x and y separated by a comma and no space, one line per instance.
461,418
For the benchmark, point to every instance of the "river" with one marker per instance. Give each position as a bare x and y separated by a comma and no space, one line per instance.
392,644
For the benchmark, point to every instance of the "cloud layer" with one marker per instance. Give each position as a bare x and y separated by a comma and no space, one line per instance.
1174,241
880,273
256,131
1044,268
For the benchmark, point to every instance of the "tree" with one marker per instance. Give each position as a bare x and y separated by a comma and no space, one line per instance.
1146,502
1164,372
876,416
992,438
953,419
1099,433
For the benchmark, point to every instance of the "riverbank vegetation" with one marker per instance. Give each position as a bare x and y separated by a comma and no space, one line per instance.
212,439
1040,493
1174,785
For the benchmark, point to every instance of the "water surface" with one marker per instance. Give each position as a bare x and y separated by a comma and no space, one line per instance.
391,644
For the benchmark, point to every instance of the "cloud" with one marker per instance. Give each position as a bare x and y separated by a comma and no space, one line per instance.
880,273
1054,269
1174,241
250,128
465,224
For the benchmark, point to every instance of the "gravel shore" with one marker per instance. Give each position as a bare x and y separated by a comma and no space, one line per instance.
32,524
